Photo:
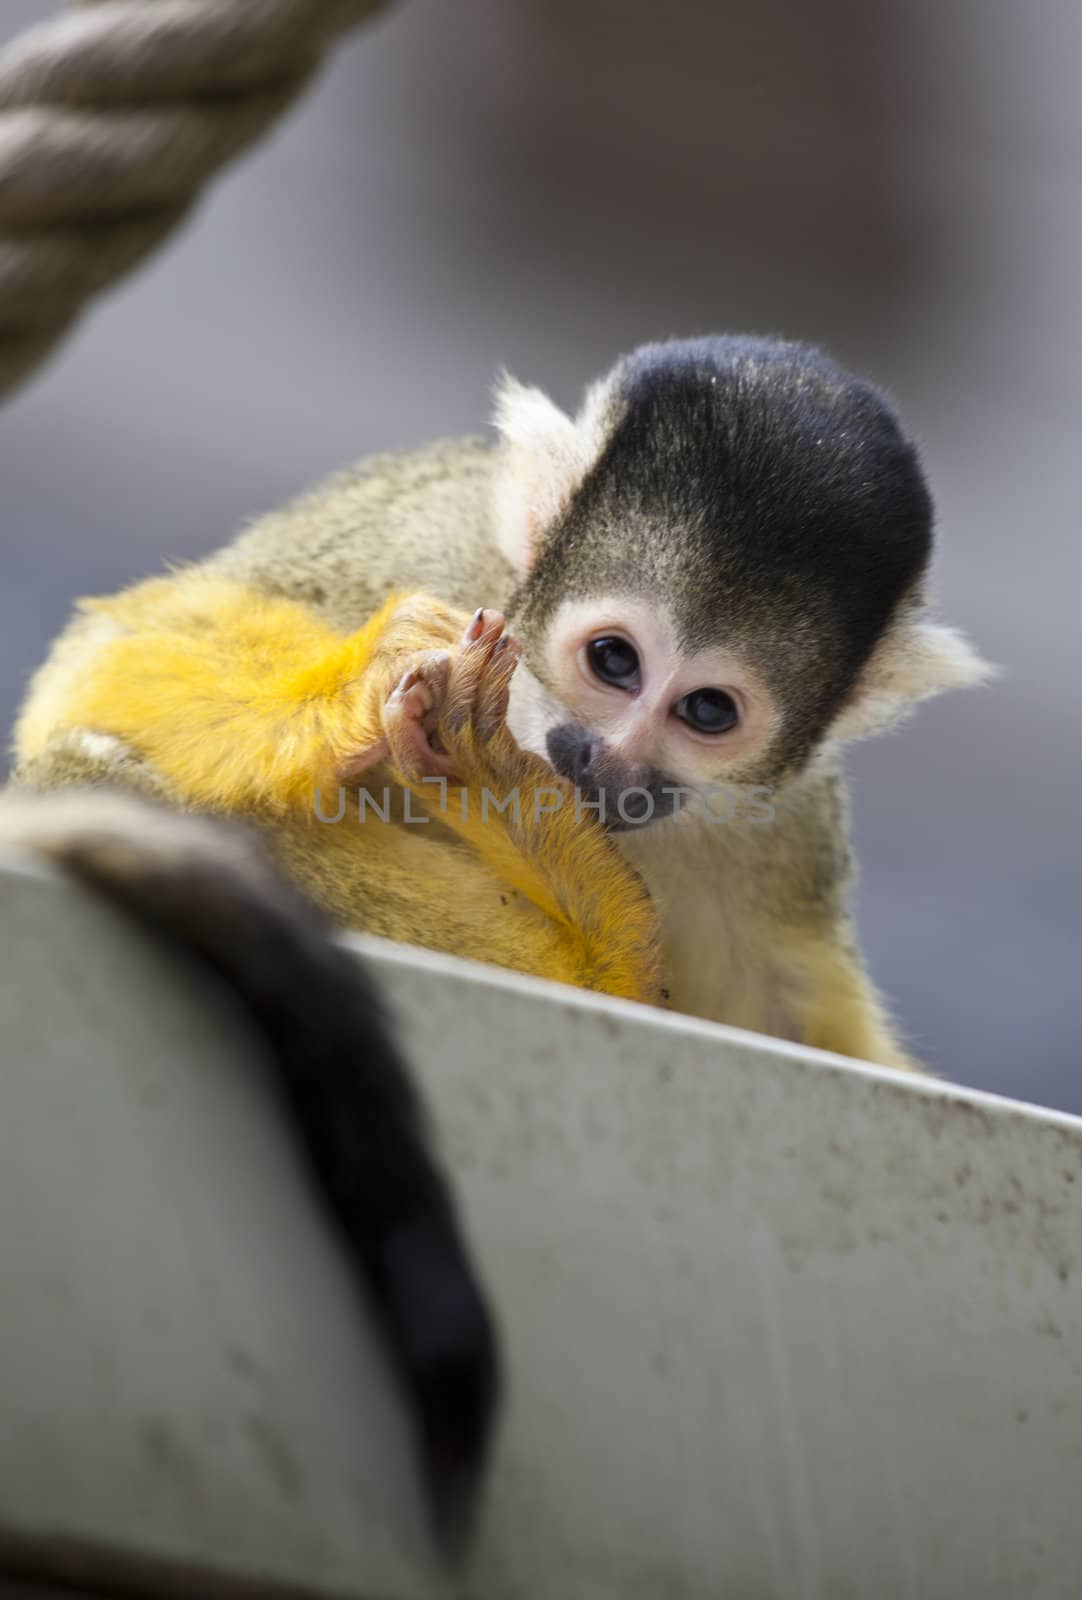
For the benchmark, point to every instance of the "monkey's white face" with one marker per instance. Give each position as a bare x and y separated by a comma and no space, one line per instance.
613,668
606,694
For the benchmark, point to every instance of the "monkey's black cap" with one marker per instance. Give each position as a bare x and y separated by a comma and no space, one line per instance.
767,495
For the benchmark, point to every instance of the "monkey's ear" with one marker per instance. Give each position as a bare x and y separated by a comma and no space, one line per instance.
545,457
914,660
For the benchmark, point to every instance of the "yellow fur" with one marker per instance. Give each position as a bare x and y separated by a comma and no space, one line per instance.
236,698
845,1014
243,703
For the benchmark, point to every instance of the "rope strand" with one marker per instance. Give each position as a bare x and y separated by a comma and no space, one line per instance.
113,116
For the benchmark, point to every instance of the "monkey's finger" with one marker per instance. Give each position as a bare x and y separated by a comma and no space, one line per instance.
408,717
413,756
484,626
494,686
468,668
420,690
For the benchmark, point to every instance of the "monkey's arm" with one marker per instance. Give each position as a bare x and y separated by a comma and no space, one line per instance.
235,698
581,914
245,703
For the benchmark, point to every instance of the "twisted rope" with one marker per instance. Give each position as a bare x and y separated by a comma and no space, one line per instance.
112,118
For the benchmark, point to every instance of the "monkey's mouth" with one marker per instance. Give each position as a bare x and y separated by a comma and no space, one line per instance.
620,795
624,809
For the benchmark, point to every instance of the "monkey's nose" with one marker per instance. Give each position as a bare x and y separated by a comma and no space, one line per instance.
572,752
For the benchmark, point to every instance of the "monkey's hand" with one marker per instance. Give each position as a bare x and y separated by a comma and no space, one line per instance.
594,924
446,717
403,686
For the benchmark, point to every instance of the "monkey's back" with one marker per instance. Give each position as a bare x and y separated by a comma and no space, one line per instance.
419,520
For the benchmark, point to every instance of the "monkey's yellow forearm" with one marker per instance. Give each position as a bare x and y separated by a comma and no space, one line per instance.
237,699
240,703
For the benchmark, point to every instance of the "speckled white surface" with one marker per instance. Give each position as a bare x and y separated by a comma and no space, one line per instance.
779,1328
184,1374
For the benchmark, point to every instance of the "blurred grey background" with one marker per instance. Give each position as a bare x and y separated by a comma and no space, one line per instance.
544,183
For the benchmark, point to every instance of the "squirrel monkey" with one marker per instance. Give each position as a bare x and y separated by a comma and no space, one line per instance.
717,573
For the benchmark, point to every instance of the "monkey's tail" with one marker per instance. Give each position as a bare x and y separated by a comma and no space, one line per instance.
205,888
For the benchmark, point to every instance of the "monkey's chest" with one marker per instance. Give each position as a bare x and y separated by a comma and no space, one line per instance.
722,960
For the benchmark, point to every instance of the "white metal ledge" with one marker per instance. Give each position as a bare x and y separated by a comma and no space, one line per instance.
779,1327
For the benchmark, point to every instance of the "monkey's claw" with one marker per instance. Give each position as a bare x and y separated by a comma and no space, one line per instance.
484,627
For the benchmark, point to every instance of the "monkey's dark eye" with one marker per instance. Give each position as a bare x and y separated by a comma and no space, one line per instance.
708,711
614,661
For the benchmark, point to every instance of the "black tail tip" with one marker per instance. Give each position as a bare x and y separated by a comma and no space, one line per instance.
444,1341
